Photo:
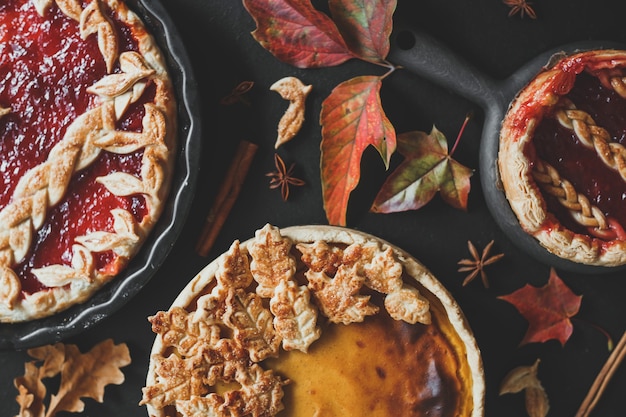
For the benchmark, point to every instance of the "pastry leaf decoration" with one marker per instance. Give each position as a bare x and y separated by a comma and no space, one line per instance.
252,324
548,310
82,375
427,169
339,297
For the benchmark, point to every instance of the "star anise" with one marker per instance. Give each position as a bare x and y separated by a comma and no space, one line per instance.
478,264
283,177
522,7
238,94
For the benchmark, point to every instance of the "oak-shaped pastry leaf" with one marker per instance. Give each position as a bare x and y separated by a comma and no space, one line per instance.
352,119
548,310
365,25
427,169
82,375
298,34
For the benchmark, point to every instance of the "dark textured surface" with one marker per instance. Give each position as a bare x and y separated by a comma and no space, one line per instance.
216,34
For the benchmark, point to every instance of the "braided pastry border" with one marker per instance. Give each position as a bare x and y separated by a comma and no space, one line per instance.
536,101
92,132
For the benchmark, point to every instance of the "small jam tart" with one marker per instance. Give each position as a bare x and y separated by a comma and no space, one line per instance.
87,138
314,321
562,158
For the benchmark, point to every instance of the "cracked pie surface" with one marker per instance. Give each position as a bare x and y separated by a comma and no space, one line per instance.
313,321
87,139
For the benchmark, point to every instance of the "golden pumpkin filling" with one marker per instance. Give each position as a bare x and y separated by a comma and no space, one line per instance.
311,327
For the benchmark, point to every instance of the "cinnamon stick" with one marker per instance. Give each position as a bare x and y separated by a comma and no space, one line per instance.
226,196
603,378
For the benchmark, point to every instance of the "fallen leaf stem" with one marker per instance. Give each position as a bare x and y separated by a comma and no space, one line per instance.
606,373
610,343
391,68
468,116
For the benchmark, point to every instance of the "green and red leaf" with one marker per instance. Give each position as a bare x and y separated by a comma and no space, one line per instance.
548,310
426,170
365,25
352,119
298,34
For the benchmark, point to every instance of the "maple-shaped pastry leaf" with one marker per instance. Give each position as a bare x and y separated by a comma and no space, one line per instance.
338,297
365,25
298,34
428,168
83,375
178,329
179,378
548,309
352,119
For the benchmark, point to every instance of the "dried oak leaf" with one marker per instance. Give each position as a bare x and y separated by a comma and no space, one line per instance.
82,376
365,25
525,378
298,34
427,169
548,309
32,392
352,119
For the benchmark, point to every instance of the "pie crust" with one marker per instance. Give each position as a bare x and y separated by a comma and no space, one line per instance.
562,159
314,321
93,172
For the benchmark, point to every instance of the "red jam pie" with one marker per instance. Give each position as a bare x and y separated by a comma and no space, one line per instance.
87,136
562,157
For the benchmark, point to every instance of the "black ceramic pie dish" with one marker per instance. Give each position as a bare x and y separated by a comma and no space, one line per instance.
430,59
158,245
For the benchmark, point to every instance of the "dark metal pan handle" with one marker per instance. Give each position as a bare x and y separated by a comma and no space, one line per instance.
430,59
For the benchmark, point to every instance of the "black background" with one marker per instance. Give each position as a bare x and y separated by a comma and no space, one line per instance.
216,34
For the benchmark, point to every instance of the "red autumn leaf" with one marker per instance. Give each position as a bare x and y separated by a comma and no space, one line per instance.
365,25
548,310
427,169
298,34
352,118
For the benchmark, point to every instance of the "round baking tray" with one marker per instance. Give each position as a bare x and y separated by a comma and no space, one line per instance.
158,245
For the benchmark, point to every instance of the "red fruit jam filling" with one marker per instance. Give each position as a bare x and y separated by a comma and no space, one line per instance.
560,147
45,70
